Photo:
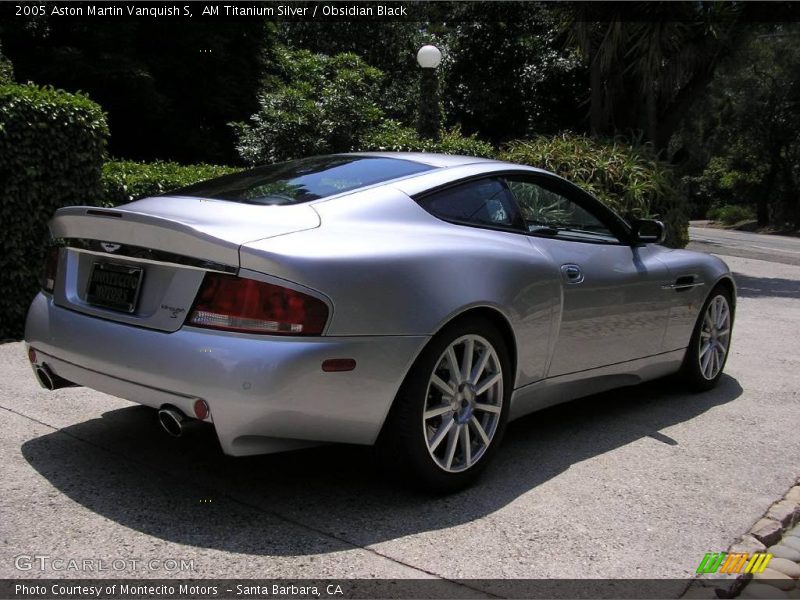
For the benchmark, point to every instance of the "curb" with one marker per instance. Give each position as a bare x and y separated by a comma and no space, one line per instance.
763,536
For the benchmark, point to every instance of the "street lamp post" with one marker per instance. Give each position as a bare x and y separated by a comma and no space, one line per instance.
429,117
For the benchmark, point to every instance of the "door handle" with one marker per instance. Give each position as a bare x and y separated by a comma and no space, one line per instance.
572,273
683,283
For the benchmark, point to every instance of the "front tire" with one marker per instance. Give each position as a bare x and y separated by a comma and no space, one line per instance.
451,411
711,340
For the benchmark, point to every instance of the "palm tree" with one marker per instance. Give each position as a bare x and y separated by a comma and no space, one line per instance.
648,62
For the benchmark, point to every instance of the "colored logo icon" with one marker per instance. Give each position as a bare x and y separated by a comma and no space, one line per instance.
722,562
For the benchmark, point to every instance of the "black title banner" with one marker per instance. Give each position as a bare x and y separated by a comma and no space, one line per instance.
250,589
390,10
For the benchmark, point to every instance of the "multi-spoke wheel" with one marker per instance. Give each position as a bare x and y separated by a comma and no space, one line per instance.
463,403
451,411
715,335
711,340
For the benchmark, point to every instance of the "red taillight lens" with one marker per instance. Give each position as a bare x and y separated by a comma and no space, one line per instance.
50,269
236,304
201,409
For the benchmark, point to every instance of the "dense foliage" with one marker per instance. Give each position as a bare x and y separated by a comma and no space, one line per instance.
743,145
507,72
124,181
389,46
626,179
170,86
52,148
731,214
391,136
649,62
318,104
6,69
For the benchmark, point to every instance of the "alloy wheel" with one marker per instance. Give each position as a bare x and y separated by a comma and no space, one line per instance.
715,337
463,403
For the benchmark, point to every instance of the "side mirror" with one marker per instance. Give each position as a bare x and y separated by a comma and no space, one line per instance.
648,231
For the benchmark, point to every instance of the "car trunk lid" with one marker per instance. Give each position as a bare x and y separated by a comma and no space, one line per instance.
143,263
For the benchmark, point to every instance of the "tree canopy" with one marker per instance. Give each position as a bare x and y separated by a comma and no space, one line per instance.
704,86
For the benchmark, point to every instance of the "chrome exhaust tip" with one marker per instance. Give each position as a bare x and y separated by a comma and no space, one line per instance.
50,380
174,422
45,378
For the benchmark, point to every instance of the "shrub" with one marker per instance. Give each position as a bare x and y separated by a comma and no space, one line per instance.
6,69
124,181
321,104
52,147
626,179
391,136
731,214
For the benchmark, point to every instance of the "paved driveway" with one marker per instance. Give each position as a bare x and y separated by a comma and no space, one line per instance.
635,483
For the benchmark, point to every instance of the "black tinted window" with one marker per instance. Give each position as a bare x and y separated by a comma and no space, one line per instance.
484,202
303,180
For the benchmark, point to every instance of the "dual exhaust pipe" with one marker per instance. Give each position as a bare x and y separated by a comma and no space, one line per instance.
172,419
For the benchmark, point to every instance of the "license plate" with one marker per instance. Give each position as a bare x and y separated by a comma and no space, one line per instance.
114,286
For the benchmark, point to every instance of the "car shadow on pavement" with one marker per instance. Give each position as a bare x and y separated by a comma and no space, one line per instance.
330,498
761,287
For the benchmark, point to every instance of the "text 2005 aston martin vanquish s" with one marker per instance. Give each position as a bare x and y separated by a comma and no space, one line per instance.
418,301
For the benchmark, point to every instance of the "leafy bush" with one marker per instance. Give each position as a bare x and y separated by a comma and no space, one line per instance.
52,148
124,181
731,214
320,104
6,69
391,136
626,179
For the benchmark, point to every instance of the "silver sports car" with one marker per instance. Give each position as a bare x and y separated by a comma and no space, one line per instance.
416,301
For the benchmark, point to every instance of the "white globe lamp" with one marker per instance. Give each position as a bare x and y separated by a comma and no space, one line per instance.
429,57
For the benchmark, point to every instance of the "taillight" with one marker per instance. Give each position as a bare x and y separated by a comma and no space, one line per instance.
236,304
50,269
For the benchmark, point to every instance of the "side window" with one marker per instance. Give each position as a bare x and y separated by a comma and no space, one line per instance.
483,202
548,212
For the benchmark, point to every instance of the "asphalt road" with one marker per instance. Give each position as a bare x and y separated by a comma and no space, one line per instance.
772,248
634,483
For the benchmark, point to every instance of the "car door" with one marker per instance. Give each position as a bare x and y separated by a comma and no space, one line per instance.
613,309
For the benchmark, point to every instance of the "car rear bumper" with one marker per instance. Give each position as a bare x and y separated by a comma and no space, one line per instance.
265,393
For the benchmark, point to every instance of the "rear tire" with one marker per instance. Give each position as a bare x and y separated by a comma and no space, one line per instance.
450,414
711,341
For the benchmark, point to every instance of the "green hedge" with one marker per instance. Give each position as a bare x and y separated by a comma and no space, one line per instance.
732,214
628,180
124,181
391,136
52,148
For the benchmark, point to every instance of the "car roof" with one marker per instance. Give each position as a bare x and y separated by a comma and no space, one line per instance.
429,158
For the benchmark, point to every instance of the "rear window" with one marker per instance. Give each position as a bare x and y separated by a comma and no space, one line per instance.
303,180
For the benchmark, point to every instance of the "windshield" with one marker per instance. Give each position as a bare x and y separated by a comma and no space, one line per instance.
303,180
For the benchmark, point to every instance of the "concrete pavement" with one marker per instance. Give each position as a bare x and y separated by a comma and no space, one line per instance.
634,483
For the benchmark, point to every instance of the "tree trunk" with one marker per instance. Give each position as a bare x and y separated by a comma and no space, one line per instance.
596,107
651,115
672,116
791,199
762,205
